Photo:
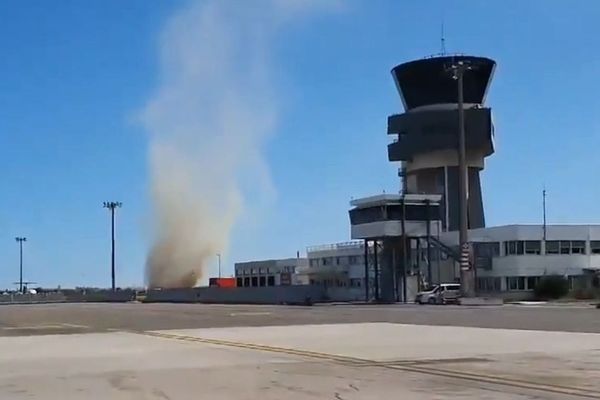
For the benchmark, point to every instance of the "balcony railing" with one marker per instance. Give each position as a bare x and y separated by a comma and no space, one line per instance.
356,244
322,269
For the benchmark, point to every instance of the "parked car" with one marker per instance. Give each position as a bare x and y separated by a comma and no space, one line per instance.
443,293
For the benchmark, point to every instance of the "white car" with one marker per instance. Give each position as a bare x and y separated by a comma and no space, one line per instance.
443,293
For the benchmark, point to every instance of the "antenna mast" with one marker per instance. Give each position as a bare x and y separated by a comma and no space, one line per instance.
443,39
544,210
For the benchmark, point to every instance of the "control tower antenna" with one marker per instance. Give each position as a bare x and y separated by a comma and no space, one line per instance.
443,39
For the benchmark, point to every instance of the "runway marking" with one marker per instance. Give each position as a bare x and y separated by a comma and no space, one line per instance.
75,325
401,365
33,327
44,326
249,313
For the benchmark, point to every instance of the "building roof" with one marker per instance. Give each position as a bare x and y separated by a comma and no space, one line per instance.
394,198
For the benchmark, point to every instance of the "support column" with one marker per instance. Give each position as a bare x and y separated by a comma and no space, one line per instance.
366,283
388,276
375,264
428,229
418,260
404,250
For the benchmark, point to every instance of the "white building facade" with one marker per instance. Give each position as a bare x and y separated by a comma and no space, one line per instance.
269,272
335,265
512,258
510,261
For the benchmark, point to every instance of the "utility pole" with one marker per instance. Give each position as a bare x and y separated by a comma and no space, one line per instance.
467,280
544,210
112,205
20,240
219,256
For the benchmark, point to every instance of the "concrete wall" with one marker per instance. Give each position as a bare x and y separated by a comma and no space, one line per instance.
345,294
239,295
412,285
298,294
32,298
71,296
102,296
514,295
392,228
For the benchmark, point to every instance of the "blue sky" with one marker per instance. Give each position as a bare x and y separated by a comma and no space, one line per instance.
74,75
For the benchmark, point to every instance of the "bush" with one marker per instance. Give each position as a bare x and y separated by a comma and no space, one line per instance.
551,287
584,294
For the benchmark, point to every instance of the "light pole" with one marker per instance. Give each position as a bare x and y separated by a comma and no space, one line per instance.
111,205
219,256
544,211
467,279
21,240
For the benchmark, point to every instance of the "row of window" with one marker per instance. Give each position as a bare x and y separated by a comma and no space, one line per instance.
489,284
484,250
253,271
521,282
352,282
494,284
519,247
513,283
256,281
571,247
342,260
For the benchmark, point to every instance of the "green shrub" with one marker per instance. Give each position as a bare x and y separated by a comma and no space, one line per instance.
584,294
551,287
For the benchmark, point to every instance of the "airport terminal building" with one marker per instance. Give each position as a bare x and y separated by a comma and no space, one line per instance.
512,258
509,260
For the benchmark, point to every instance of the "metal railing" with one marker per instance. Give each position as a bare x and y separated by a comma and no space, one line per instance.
451,252
356,244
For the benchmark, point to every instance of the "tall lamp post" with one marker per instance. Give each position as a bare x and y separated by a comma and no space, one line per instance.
112,205
467,278
20,240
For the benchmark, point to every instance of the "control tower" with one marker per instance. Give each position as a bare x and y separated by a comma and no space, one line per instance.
427,132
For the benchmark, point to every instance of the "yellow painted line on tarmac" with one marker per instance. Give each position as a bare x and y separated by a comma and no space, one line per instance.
75,326
499,380
33,327
249,313
260,347
44,326
403,365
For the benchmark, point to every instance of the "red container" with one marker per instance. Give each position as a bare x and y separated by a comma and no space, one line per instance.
222,282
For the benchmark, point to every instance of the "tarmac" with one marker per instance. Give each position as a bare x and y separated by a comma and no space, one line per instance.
195,351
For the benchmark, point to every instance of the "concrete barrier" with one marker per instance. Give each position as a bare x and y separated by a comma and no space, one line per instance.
296,294
480,301
69,296
344,294
104,296
300,294
18,298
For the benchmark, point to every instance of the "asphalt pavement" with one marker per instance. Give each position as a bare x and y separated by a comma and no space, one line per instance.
19,320
350,352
